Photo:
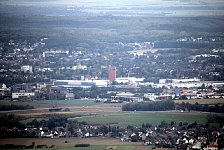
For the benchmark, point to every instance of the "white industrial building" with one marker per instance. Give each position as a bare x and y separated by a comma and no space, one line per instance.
27,68
129,80
22,95
192,80
81,83
186,83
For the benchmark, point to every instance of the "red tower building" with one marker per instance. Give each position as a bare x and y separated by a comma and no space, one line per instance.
112,73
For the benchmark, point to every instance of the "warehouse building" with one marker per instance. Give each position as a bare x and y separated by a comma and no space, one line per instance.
81,83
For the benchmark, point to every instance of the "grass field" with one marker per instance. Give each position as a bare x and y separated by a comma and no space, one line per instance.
50,103
101,113
137,118
96,143
101,147
202,101
45,103
68,102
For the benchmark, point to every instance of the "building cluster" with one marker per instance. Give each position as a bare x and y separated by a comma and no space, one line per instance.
192,88
189,88
182,136
32,71
124,89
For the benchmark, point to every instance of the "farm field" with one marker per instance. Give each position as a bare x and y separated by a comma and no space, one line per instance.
50,103
78,103
44,103
137,118
202,101
96,143
68,102
102,147
104,113
123,119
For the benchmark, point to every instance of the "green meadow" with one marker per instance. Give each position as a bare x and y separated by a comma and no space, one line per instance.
138,118
97,147
68,102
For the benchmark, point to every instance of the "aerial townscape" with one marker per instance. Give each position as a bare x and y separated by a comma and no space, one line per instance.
118,75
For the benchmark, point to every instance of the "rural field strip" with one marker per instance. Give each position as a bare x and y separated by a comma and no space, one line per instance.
104,115
47,108
121,114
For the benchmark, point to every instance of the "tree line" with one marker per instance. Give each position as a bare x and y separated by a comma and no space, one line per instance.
201,107
149,106
170,105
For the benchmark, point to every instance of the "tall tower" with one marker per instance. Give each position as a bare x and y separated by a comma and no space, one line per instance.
112,73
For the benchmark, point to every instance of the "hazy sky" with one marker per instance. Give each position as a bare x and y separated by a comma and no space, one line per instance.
117,2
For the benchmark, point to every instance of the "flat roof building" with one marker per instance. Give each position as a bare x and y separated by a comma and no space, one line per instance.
81,83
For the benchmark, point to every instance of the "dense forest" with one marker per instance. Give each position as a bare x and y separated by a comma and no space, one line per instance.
104,32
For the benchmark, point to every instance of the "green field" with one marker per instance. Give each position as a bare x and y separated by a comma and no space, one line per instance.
100,113
100,147
96,147
96,143
68,102
137,118
77,102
